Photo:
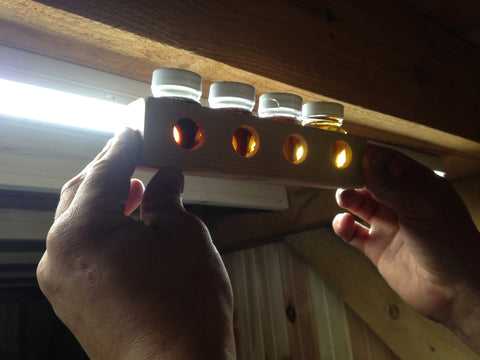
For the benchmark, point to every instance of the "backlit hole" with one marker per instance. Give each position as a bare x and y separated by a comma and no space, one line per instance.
295,149
341,154
188,133
246,141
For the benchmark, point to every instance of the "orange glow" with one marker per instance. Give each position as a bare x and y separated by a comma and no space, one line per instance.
176,135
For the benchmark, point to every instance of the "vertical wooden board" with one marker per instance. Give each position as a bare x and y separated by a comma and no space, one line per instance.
265,304
365,343
321,316
277,303
9,330
359,338
332,328
254,315
301,327
236,267
293,331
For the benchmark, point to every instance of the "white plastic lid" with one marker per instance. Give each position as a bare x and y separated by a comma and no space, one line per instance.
181,77
279,104
176,83
229,94
322,108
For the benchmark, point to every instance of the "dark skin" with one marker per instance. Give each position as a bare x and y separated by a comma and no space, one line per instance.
157,288
134,289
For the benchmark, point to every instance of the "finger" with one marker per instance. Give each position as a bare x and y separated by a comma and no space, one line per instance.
360,236
162,195
106,185
403,184
67,194
362,204
135,196
348,229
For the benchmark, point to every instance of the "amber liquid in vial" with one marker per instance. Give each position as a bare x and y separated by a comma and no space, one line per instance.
285,119
329,123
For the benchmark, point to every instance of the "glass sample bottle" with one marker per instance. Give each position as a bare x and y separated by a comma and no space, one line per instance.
323,115
233,96
281,107
177,84
240,98
185,86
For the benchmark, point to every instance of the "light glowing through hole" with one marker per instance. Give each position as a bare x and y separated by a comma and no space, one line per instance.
299,153
295,149
341,154
176,135
341,158
246,141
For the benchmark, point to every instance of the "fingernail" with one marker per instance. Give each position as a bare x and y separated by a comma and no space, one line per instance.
172,177
381,158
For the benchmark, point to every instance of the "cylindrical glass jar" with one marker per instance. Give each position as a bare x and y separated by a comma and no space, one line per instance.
281,107
323,115
177,84
231,95
240,98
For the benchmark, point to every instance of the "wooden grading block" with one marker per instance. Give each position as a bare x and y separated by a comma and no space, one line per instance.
216,156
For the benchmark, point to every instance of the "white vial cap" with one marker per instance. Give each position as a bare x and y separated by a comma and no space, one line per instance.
322,108
171,82
279,104
229,94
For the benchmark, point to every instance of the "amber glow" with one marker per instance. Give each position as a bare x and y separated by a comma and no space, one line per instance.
300,152
341,158
341,154
246,141
188,134
176,135
295,149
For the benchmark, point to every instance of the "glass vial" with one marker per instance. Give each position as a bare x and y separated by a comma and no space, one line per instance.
177,84
323,115
281,107
240,98
232,96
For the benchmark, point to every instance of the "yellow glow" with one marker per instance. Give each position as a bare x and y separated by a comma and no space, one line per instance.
253,145
176,135
299,153
341,158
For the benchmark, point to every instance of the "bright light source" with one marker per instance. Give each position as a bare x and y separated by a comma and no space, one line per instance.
299,153
37,103
440,173
341,158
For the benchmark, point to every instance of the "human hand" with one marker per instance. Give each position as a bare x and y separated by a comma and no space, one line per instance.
128,289
420,236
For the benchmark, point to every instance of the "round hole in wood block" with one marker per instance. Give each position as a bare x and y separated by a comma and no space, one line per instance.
295,148
246,141
341,154
188,133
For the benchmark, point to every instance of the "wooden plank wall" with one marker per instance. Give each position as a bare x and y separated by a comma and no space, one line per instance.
284,310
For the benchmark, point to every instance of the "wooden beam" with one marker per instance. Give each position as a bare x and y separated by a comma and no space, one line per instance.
413,87
309,208
354,278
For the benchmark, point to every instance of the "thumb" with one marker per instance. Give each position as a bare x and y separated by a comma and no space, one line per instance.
408,187
163,195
